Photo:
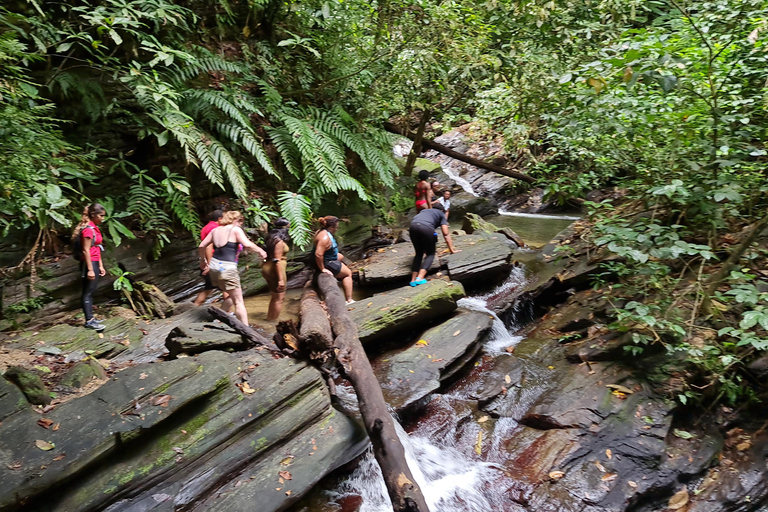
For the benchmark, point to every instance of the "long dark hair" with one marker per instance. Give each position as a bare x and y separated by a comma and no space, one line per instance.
279,233
88,213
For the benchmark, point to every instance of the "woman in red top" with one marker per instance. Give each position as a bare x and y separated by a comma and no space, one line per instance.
91,265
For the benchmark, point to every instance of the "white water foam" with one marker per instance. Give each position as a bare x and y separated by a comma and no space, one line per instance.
450,481
538,215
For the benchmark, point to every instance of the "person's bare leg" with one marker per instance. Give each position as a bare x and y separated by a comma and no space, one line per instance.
202,296
413,276
275,306
236,296
226,304
346,281
422,274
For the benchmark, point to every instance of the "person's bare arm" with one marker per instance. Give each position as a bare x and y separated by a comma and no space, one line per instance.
203,250
281,265
242,238
447,236
321,245
87,257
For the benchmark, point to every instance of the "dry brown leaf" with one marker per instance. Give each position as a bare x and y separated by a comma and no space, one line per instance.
609,477
609,453
437,360
678,500
632,484
556,475
288,460
288,493
456,333
510,349
56,427
507,379
422,343
619,388
161,400
746,445
143,376
48,408
59,457
44,445
280,481
285,474
248,390
599,466
14,465
45,423
483,419
479,443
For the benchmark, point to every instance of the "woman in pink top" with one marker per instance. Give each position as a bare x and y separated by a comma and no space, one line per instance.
91,264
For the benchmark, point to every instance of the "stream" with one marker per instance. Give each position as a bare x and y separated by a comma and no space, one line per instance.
457,469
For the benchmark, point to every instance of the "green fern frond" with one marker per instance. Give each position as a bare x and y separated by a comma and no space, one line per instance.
207,64
290,154
297,209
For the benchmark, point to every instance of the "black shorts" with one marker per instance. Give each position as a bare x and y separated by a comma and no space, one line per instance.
208,284
334,266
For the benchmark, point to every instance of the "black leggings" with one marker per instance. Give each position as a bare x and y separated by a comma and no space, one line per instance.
89,286
424,242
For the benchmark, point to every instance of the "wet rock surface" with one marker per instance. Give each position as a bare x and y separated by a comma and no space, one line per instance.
408,375
404,309
180,431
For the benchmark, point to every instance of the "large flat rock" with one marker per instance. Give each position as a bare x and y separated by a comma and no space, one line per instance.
390,265
408,375
482,255
167,436
404,309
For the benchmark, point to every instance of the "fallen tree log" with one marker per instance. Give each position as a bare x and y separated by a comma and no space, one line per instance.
430,144
404,492
246,331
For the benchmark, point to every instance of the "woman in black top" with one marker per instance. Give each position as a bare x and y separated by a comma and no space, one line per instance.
424,240
223,266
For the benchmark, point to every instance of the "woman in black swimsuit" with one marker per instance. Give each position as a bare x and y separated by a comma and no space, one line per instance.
223,265
273,268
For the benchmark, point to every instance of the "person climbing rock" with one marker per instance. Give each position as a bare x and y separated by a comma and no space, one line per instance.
213,222
434,192
424,240
91,264
274,266
422,191
223,264
328,259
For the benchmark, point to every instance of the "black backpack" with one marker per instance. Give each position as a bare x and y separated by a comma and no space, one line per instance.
77,245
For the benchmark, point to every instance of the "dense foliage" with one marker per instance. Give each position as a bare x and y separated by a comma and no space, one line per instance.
148,105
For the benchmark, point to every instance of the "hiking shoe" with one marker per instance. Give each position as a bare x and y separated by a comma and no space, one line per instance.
94,324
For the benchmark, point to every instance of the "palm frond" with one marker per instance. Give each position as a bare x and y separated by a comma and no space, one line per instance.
297,209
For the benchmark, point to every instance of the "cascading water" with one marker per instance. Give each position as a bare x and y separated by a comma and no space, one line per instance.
450,480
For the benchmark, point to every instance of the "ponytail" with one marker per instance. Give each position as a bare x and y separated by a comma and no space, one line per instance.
88,212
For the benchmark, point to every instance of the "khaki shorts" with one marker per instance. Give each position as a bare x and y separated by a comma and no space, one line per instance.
224,275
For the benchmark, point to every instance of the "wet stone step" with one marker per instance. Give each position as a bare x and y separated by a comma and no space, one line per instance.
404,309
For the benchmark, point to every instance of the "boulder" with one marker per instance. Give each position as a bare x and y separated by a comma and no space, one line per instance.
463,203
30,384
408,375
168,436
473,222
404,309
82,373
194,338
11,399
481,256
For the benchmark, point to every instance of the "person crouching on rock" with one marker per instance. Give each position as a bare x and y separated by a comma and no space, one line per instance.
91,264
274,266
424,240
223,265
327,255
